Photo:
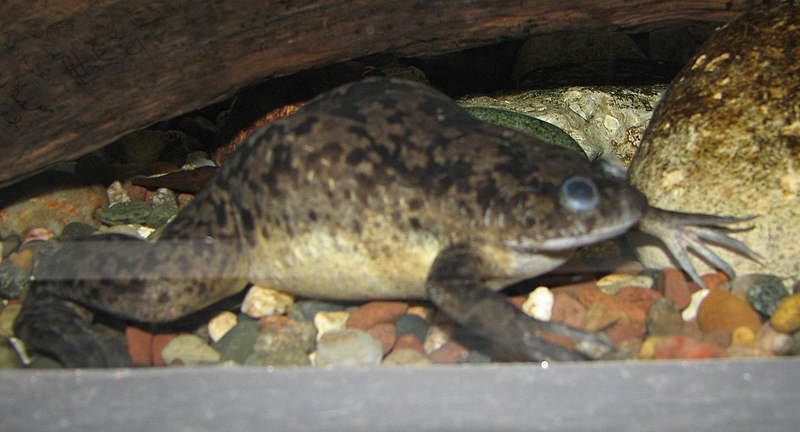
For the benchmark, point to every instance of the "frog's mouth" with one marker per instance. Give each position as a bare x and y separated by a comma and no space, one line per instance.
571,241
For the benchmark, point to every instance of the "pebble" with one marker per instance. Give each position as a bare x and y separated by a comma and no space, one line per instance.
682,347
602,315
127,212
348,347
567,310
330,321
612,283
722,310
409,341
641,298
664,319
772,341
221,324
451,352
282,358
140,346
375,312
673,285
764,292
714,280
690,313
262,301
14,283
743,336
411,324
160,341
385,334
406,357
786,318
307,309
189,350
634,312
298,335
622,332
539,304
237,345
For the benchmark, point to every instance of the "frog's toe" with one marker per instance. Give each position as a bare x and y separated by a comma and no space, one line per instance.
682,232
62,331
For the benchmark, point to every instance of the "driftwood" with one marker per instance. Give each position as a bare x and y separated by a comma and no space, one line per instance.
75,77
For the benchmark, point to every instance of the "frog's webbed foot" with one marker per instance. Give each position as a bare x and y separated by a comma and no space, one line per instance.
64,331
454,286
681,232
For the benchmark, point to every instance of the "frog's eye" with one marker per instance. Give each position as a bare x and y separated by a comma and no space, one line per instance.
579,194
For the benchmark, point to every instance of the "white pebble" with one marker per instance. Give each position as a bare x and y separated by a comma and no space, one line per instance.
438,335
539,304
221,324
349,347
262,301
330,321
690,312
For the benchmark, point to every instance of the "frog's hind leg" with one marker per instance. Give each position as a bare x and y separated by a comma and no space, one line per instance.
64,331
454,286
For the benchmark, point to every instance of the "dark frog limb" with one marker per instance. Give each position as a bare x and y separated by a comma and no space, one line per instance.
454,287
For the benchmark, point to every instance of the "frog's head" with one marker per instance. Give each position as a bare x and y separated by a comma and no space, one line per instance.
561,201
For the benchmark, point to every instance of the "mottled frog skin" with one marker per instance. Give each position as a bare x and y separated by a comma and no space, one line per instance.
378,189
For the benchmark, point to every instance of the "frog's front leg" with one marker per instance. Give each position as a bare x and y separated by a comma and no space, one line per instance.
454,286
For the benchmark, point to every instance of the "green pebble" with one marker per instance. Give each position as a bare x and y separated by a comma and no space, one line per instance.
14,283
128,212
526,124
306,309
238,343
76,231
161,214
413,324
292,357
765,292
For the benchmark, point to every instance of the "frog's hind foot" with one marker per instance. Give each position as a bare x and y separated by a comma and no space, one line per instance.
681,232
454,287
64,331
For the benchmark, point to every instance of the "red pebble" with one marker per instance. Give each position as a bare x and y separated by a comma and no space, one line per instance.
376,312
385,334
450,353
140,346
409,341
682,347
675,287
567,310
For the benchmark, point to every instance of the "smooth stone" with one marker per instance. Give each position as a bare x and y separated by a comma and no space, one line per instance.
283,358
722,310
297,335
238,343
411,324
376,312
385,334
690,313
683,347
567,310
772,341
603,120
307,309
786,318
664,318
189,350
406,357
526,124
674,286
140,345
724,139
348,347
127,212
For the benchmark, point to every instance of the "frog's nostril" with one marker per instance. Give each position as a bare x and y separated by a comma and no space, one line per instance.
579,194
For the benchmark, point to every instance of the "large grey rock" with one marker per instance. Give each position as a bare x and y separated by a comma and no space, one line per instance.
726,139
